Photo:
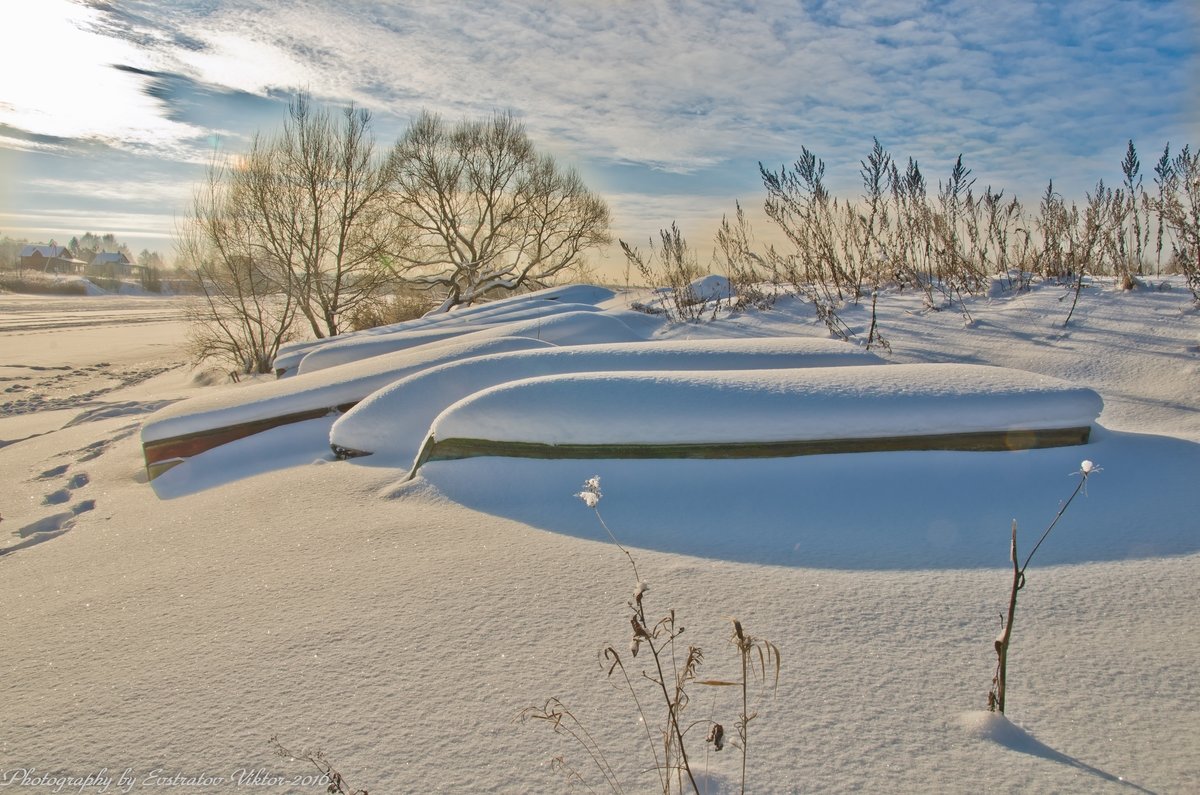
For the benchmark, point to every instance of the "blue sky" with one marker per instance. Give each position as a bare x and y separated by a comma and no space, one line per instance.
109,111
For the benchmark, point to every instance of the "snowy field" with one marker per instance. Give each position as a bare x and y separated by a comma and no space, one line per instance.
165,631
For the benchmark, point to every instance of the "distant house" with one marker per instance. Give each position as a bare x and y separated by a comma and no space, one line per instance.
50,259
113,264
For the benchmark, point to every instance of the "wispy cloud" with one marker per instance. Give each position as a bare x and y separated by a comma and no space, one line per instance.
143,189
59,82
144,228
20,140
669,96
686,87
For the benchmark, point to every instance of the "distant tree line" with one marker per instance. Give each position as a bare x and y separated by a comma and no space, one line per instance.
315,229
10,252
949,242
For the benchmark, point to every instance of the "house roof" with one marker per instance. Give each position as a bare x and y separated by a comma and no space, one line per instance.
106,257
61,252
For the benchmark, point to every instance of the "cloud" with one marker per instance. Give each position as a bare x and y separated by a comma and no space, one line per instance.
685,88
655,97
140,190
145,229
66,87
19,140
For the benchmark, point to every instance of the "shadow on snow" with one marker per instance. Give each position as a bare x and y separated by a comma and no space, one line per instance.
904,510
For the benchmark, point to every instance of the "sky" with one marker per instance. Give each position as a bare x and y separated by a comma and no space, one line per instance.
110,110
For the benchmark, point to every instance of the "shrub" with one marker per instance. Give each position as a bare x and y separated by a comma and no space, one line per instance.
387,310
671,267
18,283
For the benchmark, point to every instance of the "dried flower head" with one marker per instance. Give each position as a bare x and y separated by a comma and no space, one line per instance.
1086,469
716,736
591,493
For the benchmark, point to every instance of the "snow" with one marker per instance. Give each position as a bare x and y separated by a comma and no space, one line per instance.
896,510
562,325
768,405
510,308
318,357
323,389
396,419
282,447
406,335
401,627
711,288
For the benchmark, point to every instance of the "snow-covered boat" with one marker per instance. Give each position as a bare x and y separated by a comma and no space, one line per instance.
395,419
580,297
182,430
767,413
185,429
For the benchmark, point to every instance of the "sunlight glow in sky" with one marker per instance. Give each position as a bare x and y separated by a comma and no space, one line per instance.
666,107
60,83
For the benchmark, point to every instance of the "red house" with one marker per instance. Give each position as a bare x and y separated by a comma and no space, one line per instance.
50,259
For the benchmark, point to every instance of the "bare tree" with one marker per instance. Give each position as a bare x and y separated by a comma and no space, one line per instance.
869,223
749,272
484,211
1138,214
314,197
802,207
956,203
295,229
244,312
1088,241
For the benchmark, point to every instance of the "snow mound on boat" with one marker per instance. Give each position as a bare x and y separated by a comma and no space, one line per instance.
462,318
563,325
395,419
768,406
324,389
711,288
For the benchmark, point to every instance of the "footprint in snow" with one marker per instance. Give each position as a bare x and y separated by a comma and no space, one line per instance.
120,409
99,447
56,524
41,530
49,524
93,450
77,481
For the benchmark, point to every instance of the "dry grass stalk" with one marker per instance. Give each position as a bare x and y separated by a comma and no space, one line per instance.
997,695
336,784
949,246
668,678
